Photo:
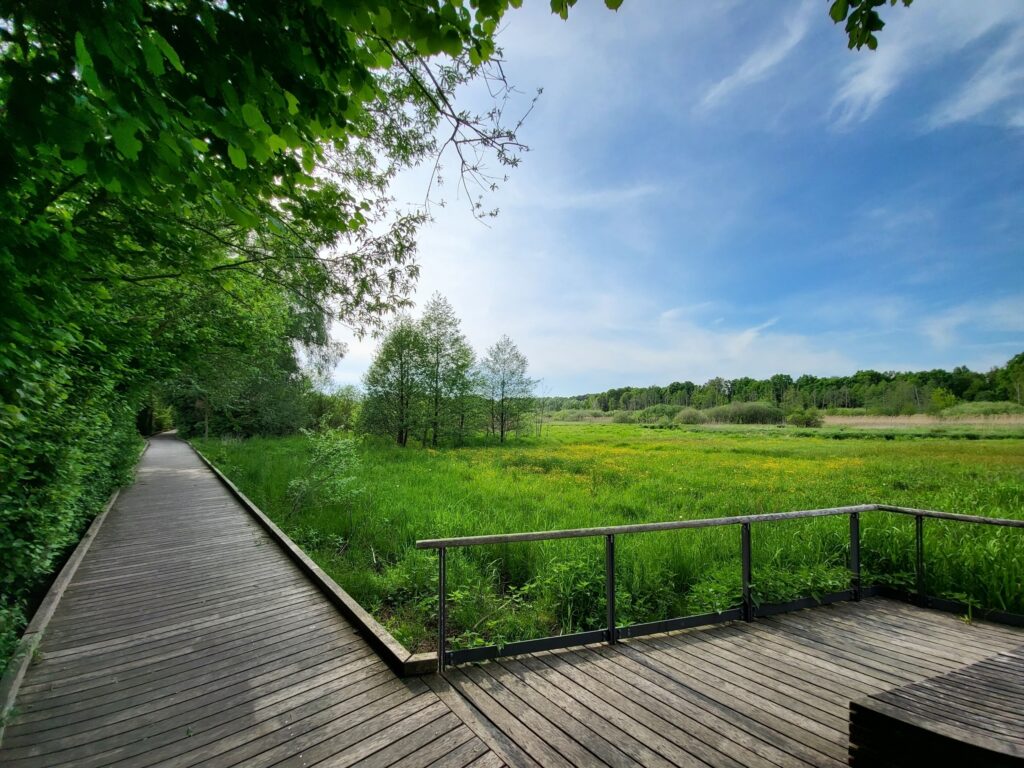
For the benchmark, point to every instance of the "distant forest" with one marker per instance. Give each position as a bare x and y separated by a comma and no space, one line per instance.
888,393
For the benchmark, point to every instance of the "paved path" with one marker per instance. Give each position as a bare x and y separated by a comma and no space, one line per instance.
188,637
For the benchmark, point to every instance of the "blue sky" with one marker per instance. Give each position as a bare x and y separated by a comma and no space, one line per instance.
724,189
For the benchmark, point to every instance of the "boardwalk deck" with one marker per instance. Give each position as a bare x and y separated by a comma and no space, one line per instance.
970,716
187,637
775,692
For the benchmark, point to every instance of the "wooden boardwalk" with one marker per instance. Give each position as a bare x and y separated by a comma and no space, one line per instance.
970,716
187,637
775,692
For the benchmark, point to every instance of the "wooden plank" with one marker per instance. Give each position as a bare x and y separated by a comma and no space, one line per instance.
776,726
459,745
188,634
672,742
610,744
761,685
974,715
501,687
458,757
507,722
717,739
217,728
507,750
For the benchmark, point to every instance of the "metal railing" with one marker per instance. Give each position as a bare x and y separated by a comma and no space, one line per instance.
747,610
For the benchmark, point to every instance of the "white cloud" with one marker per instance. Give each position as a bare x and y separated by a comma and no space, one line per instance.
628,239
996,81
762,62
945,328
915,40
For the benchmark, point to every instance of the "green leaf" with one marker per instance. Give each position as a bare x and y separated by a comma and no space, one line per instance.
839,10
613,4
293,103
200,145
154,61
85,66
237,156
81,52
253,117
168,51
124,139
276,143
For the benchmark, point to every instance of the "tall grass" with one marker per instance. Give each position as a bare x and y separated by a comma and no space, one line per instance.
587,475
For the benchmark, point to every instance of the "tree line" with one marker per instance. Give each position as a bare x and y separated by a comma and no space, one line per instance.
427,384
888,393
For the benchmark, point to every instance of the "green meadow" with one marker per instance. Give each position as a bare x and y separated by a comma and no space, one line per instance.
582,475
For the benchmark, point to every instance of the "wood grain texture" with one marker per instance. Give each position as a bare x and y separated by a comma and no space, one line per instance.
970,716
774,692
188,637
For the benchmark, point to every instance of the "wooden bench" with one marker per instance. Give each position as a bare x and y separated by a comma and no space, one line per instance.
972,716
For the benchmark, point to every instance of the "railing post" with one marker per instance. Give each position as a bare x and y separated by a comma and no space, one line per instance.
855,554
748,604
442,631
609,586
922,597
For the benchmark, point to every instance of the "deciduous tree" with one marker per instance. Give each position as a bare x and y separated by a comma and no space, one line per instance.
506,385
448,361
395,387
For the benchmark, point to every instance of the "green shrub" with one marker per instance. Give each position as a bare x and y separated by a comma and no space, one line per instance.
983,408
746,413
576,415
623,417
689,416
656,413
805,417
332,473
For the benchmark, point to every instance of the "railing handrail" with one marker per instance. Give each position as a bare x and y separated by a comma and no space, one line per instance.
671,525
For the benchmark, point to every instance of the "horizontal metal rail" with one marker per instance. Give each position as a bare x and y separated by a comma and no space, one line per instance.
747,610
709,522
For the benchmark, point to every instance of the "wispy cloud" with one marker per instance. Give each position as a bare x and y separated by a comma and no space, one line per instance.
762,62
996,81
944,328
916,40
591,199
638,246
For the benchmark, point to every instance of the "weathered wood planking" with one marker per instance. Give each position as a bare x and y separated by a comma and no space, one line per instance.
971,716
775,692
188,637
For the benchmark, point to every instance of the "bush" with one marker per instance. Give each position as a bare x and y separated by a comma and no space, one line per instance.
331,477
746,413
805,417
654,414
576,414
983,408
623,417
689,416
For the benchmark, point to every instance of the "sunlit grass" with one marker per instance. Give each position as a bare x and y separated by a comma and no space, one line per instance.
602,474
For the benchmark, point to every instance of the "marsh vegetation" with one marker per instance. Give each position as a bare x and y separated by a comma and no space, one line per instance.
579,475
